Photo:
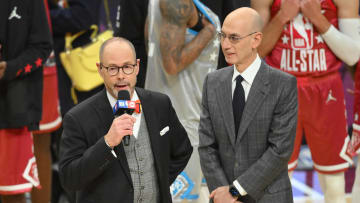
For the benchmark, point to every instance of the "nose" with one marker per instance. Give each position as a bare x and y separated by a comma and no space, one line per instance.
225,43
120,74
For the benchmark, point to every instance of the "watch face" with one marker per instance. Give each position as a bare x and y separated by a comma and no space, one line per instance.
234,192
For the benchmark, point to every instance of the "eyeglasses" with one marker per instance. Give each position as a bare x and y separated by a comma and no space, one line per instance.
233,38
114,70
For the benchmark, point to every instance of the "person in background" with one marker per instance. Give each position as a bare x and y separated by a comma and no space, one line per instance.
72,16
354,148
50,121
25,44
310,39
182,49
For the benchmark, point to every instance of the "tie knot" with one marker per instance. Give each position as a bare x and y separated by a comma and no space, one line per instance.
239,78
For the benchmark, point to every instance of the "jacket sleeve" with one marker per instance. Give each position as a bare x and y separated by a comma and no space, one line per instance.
208,149
38,45
181,148
80,163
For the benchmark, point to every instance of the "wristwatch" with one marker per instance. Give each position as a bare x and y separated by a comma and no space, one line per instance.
233,191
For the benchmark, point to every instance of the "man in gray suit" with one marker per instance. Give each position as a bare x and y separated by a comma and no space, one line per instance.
247,163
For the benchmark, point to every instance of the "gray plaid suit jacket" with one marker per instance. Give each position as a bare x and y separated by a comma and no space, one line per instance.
258,158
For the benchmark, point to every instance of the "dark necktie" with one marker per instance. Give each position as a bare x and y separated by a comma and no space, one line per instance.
238,102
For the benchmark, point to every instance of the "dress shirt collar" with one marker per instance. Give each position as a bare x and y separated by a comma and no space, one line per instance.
250,72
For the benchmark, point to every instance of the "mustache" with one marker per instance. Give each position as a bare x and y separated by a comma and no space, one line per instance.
122,83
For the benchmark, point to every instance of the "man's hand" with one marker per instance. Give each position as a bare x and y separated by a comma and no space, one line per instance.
222,195
289,9
310,9
208,26
2,69
121,126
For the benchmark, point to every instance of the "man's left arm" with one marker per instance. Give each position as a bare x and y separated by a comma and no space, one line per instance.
37,49
345,42
180,146
281,137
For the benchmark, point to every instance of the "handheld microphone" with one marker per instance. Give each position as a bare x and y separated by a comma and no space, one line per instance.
124,105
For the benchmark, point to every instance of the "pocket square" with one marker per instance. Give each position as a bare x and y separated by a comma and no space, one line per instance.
164,130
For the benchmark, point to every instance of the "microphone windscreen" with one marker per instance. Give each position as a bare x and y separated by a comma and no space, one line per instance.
123,95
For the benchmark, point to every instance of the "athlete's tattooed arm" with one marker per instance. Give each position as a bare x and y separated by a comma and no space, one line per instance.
177,16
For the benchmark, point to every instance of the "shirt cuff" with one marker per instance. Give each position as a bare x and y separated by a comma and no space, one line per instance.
112,151
239,188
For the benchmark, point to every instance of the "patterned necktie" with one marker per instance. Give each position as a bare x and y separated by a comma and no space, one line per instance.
238,102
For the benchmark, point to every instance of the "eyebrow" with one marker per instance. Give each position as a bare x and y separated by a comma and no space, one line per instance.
231,34
125,63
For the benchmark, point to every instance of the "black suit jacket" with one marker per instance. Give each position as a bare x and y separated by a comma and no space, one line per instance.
87,165
26,44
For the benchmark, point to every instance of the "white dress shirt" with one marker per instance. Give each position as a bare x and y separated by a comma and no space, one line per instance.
249,75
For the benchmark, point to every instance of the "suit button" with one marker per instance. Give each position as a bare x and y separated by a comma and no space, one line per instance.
142,187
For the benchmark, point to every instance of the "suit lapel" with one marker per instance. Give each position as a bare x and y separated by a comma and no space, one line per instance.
105,111
151,120
224,98
258,91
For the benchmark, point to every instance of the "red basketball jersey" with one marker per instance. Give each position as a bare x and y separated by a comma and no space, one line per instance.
300,50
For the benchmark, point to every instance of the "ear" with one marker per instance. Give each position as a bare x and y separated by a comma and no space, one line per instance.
137,68
257,39
99,69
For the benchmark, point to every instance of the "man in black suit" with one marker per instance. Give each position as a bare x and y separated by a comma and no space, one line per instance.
93,160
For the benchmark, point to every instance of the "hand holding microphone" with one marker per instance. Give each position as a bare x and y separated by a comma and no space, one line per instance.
120,130
123,123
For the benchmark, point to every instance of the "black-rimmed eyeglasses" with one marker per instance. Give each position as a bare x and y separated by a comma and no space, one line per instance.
233,38
114,70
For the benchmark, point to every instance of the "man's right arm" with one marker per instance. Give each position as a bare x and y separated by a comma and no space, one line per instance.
177,54
80,163
274,26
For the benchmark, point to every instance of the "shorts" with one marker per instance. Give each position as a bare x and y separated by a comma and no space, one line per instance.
322,119
17,162
355,139
51,116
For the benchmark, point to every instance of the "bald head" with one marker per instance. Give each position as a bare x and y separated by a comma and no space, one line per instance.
116,40
247,18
